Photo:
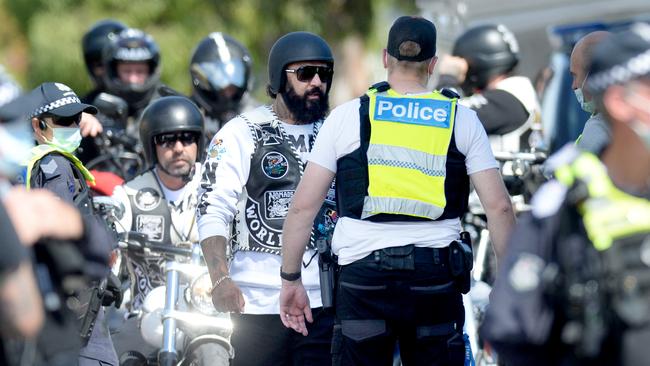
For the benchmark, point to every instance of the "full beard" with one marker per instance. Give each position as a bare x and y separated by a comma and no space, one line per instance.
305,110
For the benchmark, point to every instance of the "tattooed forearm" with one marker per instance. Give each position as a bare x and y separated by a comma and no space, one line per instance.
214,252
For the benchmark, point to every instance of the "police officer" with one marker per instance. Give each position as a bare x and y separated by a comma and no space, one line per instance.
220,68
253,166
55,121
22,312
596,133
482,66
403,157
574,287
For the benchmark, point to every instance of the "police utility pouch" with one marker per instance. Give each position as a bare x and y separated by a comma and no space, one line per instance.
461,261
397,258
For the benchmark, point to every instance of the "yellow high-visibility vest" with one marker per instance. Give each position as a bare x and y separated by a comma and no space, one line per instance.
609,213
407,153
39,151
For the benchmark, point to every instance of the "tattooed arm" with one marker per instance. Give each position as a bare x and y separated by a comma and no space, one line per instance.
226,295
224,175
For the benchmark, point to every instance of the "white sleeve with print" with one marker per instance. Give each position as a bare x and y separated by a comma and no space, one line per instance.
223,177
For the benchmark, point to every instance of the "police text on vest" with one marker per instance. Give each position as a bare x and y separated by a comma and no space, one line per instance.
419,111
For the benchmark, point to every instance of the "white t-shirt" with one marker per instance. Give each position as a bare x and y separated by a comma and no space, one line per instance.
354,239
229,157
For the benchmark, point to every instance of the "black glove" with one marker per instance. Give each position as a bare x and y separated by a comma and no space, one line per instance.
113,293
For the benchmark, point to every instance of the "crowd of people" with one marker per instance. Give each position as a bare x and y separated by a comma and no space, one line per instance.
330,237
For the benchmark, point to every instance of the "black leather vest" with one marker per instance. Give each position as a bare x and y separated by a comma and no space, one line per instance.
275,171
150,213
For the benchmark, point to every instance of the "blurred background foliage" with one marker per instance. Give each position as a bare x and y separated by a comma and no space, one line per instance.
40,40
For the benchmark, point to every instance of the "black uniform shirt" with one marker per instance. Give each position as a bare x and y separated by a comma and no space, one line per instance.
59,175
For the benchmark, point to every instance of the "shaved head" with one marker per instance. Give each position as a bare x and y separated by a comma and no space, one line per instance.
581,56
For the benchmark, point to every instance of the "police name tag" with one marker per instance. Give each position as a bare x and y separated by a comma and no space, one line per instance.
418,111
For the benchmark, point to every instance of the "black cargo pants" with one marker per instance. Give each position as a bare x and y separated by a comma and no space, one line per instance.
394,295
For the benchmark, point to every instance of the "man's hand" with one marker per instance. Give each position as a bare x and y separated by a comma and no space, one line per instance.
227,297
89,125
294,306
54,217
454,66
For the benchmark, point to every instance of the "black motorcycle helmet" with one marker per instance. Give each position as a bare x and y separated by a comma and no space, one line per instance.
169,114
489,50
132,45
294,47
93,42
220,68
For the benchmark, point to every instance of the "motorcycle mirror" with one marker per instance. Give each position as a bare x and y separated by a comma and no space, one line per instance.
112,107
106,205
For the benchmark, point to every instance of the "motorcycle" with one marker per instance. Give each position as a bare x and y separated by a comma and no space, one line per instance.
522,175
179,318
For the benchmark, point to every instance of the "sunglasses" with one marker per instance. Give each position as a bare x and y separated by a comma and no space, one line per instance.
168,140
306,73
63,121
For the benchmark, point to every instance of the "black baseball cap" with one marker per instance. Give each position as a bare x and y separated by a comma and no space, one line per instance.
57,99
619,58
415,29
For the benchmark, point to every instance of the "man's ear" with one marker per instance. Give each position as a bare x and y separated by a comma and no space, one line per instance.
384,58
38,131
432,64
35,124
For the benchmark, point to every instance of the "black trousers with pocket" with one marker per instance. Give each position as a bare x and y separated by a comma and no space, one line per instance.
262,340
378,306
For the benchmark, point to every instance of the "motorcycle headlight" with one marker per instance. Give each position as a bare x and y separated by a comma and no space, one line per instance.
199,294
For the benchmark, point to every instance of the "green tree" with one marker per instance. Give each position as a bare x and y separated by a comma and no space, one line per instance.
50,32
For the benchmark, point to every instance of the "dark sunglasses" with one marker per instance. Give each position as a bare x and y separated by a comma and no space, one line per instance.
306,73
168,140
63,121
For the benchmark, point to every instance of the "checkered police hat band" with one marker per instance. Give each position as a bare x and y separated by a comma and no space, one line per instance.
632,69
54,105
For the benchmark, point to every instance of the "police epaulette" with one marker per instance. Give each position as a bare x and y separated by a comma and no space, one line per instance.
381,86
449,93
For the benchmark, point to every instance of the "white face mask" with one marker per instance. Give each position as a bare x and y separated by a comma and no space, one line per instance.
587,106
66,138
